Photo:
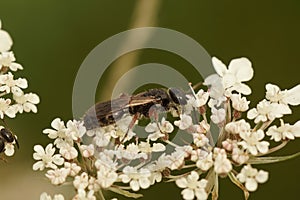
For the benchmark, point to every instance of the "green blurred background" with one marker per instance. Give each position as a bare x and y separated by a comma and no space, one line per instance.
52,38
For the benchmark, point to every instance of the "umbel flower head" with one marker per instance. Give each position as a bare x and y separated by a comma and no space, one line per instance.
13,99
216,135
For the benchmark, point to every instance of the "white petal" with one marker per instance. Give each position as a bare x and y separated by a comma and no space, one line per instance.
4,88
251,184
296,129
194,176
49,150
182,183
252,113
39,149
289,135
56,123
38,165
15,66
263,147
188,194
124,178
242,68
17,91
52,134
157,147
151,127
30,107
45,196
219,66
5,41
262,176
259,134
212,79
37,156
57,159
252,150
201,194
229,80
203,183
11,111
241,177
33,98
144,183
134,185
9,149
272,92
293,96
242,88
272,88
22,83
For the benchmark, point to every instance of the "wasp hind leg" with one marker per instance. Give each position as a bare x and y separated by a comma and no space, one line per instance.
130,127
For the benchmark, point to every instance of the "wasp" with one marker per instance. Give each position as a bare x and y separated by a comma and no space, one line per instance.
6,136
138,105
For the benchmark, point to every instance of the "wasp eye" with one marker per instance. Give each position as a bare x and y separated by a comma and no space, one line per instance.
178,96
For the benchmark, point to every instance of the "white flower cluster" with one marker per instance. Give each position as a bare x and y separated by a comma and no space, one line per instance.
13,100
115,158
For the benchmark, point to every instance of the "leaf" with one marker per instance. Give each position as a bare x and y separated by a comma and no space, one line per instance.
125,193
239,184
271,159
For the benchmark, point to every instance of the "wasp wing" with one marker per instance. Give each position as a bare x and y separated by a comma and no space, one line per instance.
105,113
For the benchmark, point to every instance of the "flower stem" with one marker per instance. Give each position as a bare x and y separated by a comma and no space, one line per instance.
228,111
2,94
101,196
188,166
171,143
215,191
208,133
276,148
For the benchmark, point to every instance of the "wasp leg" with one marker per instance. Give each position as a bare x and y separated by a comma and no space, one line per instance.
131,125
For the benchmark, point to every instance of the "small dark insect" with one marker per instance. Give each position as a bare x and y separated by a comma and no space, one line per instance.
106,113
6,136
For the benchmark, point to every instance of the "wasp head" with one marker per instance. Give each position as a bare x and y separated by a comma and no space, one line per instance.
177,96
